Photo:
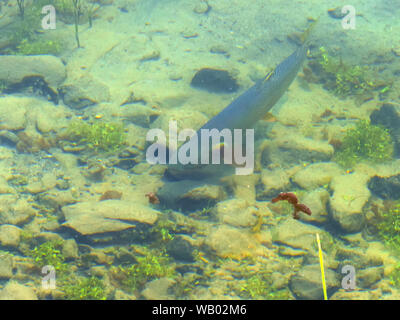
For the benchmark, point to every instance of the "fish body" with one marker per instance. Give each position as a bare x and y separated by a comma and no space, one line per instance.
243,113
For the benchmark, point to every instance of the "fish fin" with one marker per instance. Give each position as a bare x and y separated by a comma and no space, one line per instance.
306,34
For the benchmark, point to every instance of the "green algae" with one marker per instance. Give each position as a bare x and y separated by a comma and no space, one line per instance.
346,80
388,226
91,288
364,142
98,136
151,265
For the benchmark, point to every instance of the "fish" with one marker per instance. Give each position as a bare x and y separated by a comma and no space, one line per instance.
243,113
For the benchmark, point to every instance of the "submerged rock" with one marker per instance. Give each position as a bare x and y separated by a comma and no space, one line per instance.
15,291
385,188
180,249
229,242
6,266
14,69
94,217
214,80
350,194
188,195
10,235
83,92
306,283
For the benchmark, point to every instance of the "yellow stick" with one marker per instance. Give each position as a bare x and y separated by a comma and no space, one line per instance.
321,263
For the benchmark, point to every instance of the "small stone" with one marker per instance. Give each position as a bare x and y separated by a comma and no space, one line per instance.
202,7
9,235
93,217
180,249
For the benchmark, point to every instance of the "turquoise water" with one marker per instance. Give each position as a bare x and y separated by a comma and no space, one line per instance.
93,206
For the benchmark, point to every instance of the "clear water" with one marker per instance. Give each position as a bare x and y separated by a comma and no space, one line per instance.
91,209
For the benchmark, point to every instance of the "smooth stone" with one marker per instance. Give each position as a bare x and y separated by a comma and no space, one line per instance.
226,241
317,175
296,234
93,217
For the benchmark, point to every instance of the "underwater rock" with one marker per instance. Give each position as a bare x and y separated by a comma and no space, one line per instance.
70,249
83,92
214,80
296,234
13,69
350,194
306,283
351,295
94,217
272,182
368,276
15,291
8,137
237,213
336,13
317,175
230,242
385,188
185,118
296,149
158,289
6,266
357,258
202,7
15,120
16,211
9,235
180,249
316,200
188,195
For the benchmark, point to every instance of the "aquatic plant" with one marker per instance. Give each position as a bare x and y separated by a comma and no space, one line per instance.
364,142
343,79
259,288
85,289
151,265
388,226
36,47
49,253
394,277
21,7
98,136
77,12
